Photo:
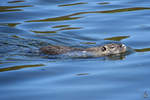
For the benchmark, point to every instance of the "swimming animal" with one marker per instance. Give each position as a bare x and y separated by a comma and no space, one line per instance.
98,51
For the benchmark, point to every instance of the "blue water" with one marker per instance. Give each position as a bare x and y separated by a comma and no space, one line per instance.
27,25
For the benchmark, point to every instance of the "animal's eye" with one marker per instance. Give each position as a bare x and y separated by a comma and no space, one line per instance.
121,45
103,48
111,47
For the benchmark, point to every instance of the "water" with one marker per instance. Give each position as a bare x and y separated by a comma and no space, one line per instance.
27,25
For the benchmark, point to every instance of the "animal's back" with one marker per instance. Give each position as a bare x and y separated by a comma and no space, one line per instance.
55,50
107,49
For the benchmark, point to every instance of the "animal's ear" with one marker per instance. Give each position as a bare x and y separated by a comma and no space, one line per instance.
112,46
103,48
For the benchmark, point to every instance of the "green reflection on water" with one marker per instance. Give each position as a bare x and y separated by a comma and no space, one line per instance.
60,26
44,31
62,18
124,10
17,1
67,28
103,3
70,17
118,38
12,8
112,11
9,24
142,50
70,28
19,67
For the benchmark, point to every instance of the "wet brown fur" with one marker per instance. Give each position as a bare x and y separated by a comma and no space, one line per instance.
55,50
107,49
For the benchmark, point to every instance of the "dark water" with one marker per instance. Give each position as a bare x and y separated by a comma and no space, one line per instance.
27,25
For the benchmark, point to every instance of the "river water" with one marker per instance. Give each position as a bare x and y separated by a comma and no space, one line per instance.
27,25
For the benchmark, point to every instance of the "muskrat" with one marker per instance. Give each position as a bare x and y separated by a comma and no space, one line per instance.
104,50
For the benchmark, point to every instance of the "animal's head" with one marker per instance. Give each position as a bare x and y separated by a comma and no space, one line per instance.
113,48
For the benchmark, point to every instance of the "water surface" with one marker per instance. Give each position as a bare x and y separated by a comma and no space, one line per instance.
27,25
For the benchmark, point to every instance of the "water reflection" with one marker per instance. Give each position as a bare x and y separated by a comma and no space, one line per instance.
60,26
82,74
17,1
20,67
114,11
12,8
62,18
146,94
44,31
70,17
67,28
117,56
70,28
10,24
103,3
125,10
117,38
142,50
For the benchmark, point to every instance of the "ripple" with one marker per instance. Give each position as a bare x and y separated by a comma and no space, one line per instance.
10,24
27,25
125,10
44,31
70,17
60,26
17,1
73,4
70,28
62,18
20,67
103,3
12,8
117,38
143,50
